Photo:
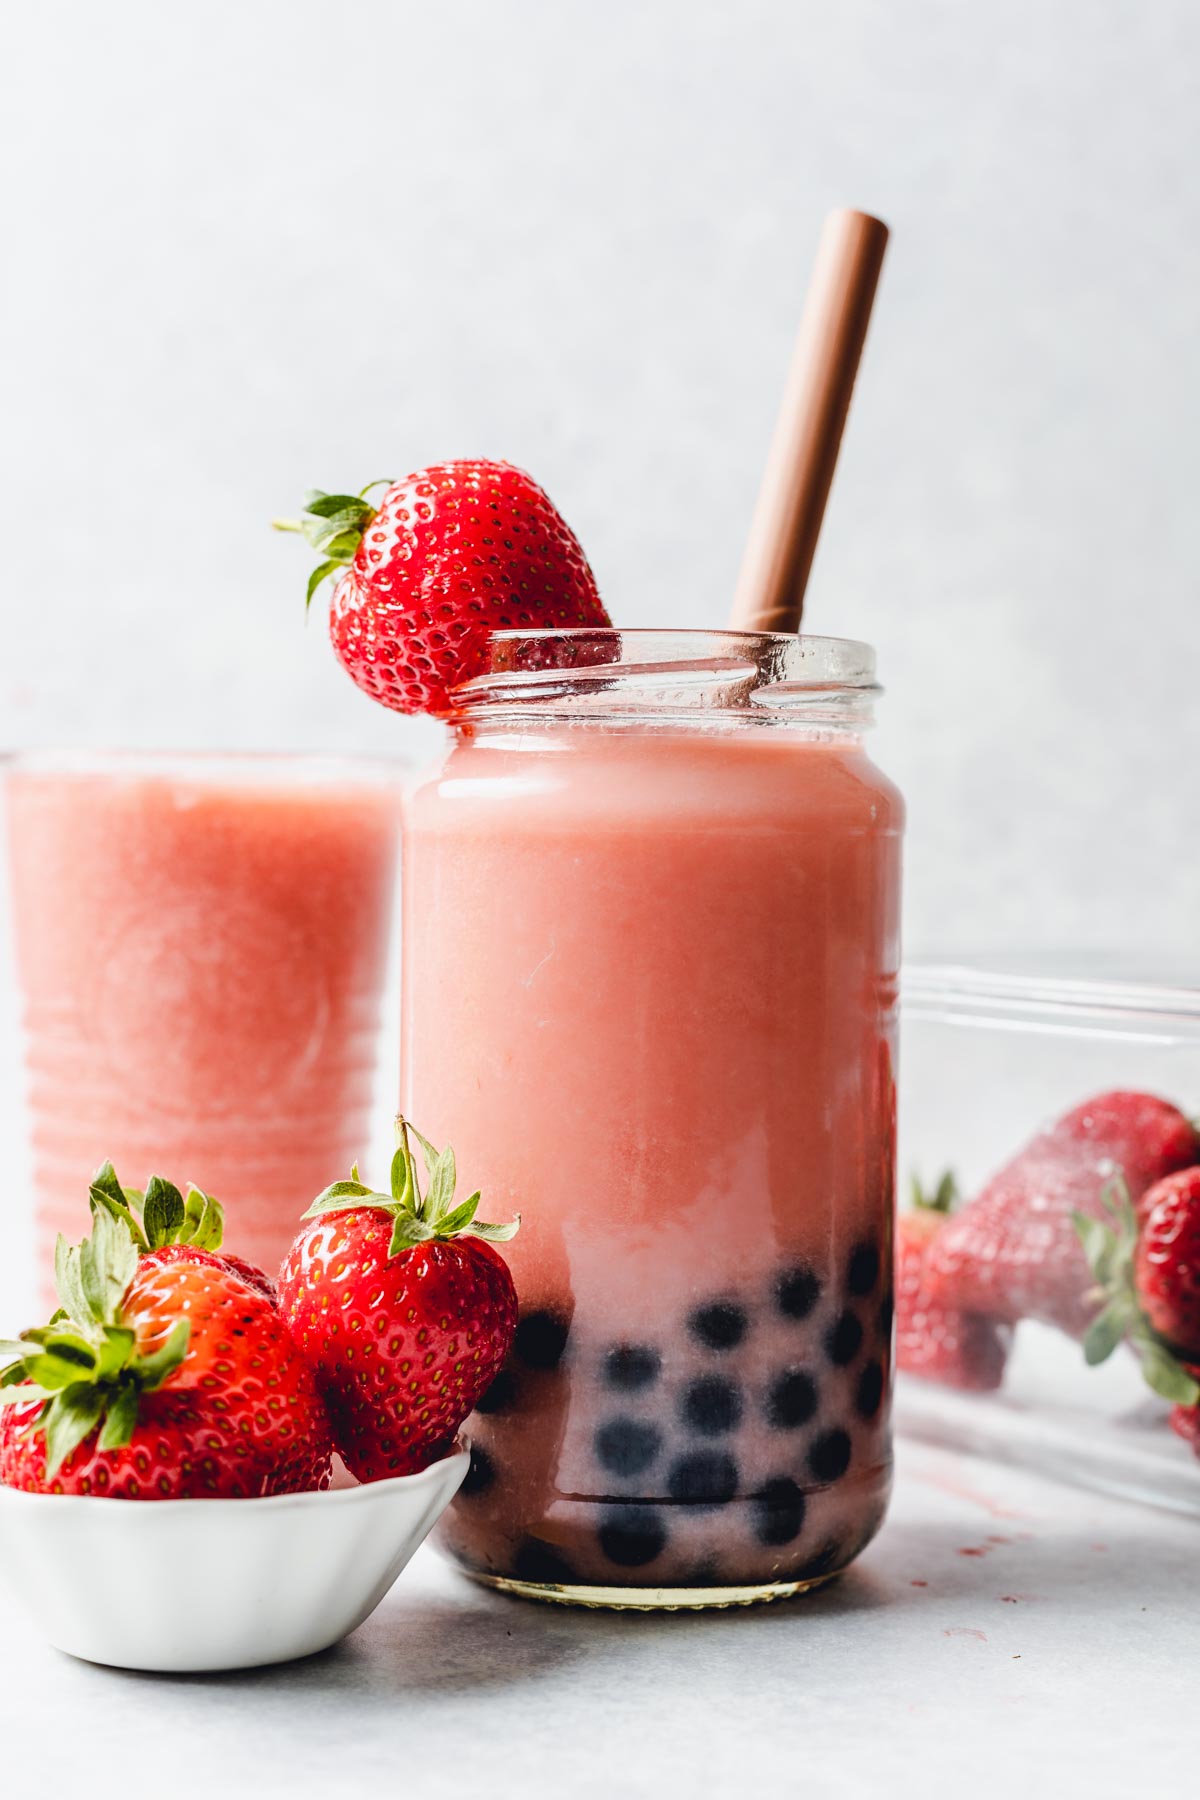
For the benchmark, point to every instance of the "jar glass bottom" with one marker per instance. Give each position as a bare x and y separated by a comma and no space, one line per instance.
653,1599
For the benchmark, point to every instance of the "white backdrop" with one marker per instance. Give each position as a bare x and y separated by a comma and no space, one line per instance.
253,246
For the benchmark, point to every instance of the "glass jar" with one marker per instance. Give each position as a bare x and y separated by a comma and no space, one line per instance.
650,972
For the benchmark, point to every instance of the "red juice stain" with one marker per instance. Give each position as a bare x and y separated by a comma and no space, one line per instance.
918,1584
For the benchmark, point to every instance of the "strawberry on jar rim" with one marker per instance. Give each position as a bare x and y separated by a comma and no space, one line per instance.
164,1376
451,554
402,1307
1013,1252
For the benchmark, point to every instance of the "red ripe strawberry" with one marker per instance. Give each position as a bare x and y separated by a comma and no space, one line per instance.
403,1310
1014,1252
1166,1265
1146,1276
959,1349
165,1376
450,555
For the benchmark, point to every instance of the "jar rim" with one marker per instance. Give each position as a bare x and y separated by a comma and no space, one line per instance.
737,677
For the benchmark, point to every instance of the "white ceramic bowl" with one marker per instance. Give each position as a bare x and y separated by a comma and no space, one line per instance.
186,1585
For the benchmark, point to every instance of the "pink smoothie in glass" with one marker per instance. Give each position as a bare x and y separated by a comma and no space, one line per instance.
650,986
201,945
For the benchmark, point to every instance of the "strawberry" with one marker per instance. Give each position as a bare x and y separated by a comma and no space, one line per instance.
1014,1253
402,1308
1146,1272
161,1222
961,1350
1166,1268
164,1376
451,554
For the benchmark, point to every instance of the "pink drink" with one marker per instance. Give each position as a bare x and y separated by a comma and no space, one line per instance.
201,944
650,970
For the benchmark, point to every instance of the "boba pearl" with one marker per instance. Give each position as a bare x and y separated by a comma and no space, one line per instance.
829,1455
711,1405
864,1269
630,1367
869,1393
844,1339
541,1339
703,1479
540,1562
500,1396
779,1511
631,1536
792,1399
797,1291
719,1325
627,1446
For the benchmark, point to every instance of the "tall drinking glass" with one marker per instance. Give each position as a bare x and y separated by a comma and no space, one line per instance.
201,944
650,972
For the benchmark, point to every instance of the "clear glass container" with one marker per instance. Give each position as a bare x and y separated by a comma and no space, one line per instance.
200,945
994,1047
650,971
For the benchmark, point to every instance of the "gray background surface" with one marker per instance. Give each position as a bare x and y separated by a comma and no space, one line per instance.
256,246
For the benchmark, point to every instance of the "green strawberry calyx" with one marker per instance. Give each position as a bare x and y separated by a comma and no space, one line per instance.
159,1214
416,1218
941,1199
85,1367
334,525
1110,1245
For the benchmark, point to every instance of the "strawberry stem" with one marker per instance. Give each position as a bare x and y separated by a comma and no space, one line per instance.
415,1220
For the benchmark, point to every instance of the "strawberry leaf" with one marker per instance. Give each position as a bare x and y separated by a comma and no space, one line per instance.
441,1186
119,1420
341,1196
15,1390
451,1224
402,1179
1099,1245
1167,1376
494,1234
115,1352
71,1417
107,1265
943,1199
153,1370
331,506
69,1282
415,1221
1105,1332
427,1150
407,1232
60,1366
203,1220
163,1212
321,573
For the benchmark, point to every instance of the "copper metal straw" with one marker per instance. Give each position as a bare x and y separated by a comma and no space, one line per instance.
808,433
